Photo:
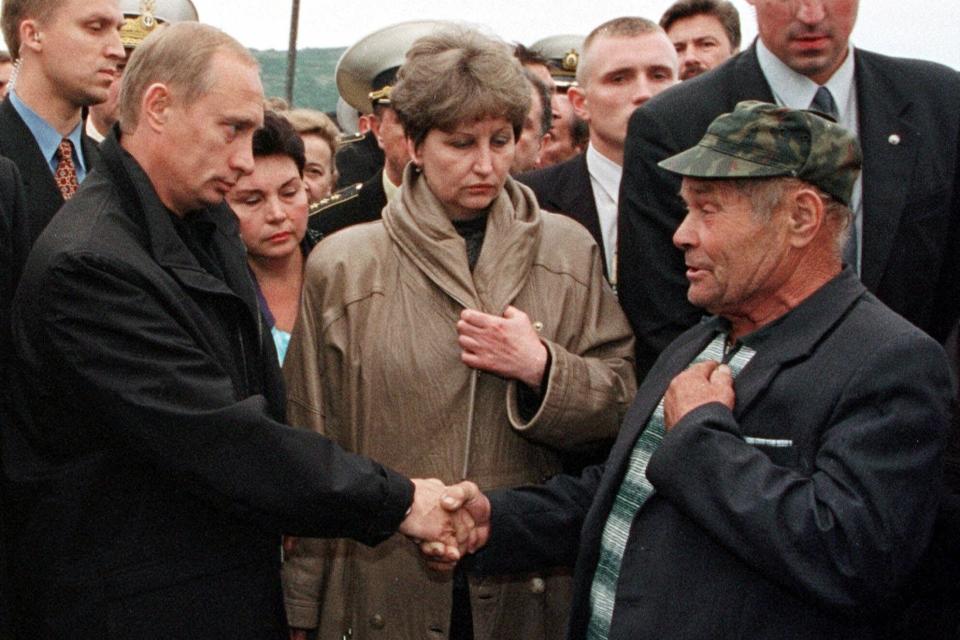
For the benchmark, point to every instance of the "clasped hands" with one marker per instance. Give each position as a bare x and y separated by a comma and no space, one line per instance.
447,522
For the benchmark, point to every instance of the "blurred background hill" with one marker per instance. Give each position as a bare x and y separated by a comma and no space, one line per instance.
314,86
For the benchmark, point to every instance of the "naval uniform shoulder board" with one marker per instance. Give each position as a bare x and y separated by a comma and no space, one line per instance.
341,196
345,139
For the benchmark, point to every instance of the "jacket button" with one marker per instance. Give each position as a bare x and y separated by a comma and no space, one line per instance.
537,585
377,621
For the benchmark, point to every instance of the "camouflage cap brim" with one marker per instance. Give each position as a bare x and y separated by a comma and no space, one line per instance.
709,162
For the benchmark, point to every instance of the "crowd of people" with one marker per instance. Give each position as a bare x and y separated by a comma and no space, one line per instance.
629,334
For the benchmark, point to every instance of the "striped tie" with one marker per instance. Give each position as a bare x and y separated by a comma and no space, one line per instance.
66,174
633,492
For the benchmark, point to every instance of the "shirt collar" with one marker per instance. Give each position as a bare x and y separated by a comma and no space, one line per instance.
48,138
605,171
389,189
794,90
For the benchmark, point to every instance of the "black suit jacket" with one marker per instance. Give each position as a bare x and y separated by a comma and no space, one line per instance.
151,474
911,192
565,188
42,195
353,205
803,533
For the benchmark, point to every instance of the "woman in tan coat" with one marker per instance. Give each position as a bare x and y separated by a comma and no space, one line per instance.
466,335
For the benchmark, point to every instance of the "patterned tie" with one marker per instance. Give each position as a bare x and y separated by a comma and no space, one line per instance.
66,174
824,103
634,491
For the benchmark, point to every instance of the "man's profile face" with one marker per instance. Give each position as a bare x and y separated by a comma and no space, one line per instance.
210,143
527,150
621,74
391,138
809,36
80,49
735,260
701,43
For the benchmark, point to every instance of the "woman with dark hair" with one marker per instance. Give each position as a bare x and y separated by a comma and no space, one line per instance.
466,334
271,204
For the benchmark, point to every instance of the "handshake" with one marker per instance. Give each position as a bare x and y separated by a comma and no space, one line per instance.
447,522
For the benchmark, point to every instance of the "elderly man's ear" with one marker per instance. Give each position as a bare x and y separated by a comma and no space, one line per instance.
806,215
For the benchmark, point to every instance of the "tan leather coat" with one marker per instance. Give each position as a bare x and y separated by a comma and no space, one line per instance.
374,364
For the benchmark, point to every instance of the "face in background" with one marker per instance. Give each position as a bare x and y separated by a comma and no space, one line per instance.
528,146
391,138
735,260
319,173
701,44
105,114
79,49
467,167
543,73
809,36
621,73
271,204
6,68
210,143
558,144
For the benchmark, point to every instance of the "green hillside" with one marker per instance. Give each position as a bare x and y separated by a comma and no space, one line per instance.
313,86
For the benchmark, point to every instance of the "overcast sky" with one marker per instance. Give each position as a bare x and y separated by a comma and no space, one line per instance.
928,29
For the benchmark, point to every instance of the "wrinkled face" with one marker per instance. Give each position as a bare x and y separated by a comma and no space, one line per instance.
701,44
531,139
466,168
809,36
271,204
622,73
319,172
6,68
209,143
735,261
78,49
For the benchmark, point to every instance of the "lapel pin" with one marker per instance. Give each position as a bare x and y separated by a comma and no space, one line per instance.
894,139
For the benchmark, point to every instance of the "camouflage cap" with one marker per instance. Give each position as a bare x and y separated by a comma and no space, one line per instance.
760,140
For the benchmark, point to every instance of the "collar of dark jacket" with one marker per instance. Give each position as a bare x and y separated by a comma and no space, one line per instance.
418,224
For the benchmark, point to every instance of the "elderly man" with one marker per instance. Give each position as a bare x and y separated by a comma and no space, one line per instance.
778,474
151,474
705,33
906,115
625,62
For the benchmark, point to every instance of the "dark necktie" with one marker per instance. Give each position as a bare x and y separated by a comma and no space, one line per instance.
823,102
66,174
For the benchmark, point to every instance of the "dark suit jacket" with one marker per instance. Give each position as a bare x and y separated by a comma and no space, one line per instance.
151,474
350,206
39,187
911,192
743,540
565,188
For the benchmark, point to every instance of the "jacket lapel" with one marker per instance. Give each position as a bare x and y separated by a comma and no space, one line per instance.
887,167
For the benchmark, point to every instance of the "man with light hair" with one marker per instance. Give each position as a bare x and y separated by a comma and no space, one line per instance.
152,474
624,63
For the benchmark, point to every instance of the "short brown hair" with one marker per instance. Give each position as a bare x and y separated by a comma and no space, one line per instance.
15,12
722,10
625,27
178,56
456,76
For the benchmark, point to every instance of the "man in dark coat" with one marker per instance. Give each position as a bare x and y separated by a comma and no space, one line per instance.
788,491
151,473
906,114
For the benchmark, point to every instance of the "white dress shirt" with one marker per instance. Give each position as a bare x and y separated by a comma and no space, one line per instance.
605,179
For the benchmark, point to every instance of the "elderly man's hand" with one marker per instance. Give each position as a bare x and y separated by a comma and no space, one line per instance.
507,346
700,384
